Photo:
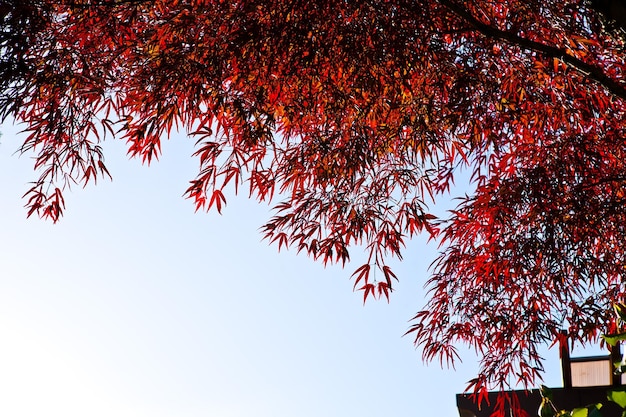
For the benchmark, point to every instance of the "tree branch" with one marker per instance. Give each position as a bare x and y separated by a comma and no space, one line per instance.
590,71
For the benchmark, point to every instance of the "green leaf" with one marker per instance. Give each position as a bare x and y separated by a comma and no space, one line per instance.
620,310
594,410
546,409
546,392
618,396
614,339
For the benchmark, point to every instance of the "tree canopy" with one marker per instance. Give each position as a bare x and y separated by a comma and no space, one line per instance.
353,118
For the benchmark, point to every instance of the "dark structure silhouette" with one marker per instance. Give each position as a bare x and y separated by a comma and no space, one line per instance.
586,380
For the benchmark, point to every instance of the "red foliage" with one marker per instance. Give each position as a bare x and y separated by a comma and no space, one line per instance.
356,115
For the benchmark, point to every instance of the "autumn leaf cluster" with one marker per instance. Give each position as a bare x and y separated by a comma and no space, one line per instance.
354,118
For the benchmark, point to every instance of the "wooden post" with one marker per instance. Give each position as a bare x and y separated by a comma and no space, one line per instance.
566,365
616,357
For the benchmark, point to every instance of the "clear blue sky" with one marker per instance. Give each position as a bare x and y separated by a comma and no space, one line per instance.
135,306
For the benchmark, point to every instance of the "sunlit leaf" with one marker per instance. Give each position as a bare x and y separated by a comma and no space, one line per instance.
614,339
618,396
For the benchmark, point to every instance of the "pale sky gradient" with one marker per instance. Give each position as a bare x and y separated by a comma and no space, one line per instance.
135,306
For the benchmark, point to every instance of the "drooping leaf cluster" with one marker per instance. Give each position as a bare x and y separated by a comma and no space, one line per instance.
356,116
